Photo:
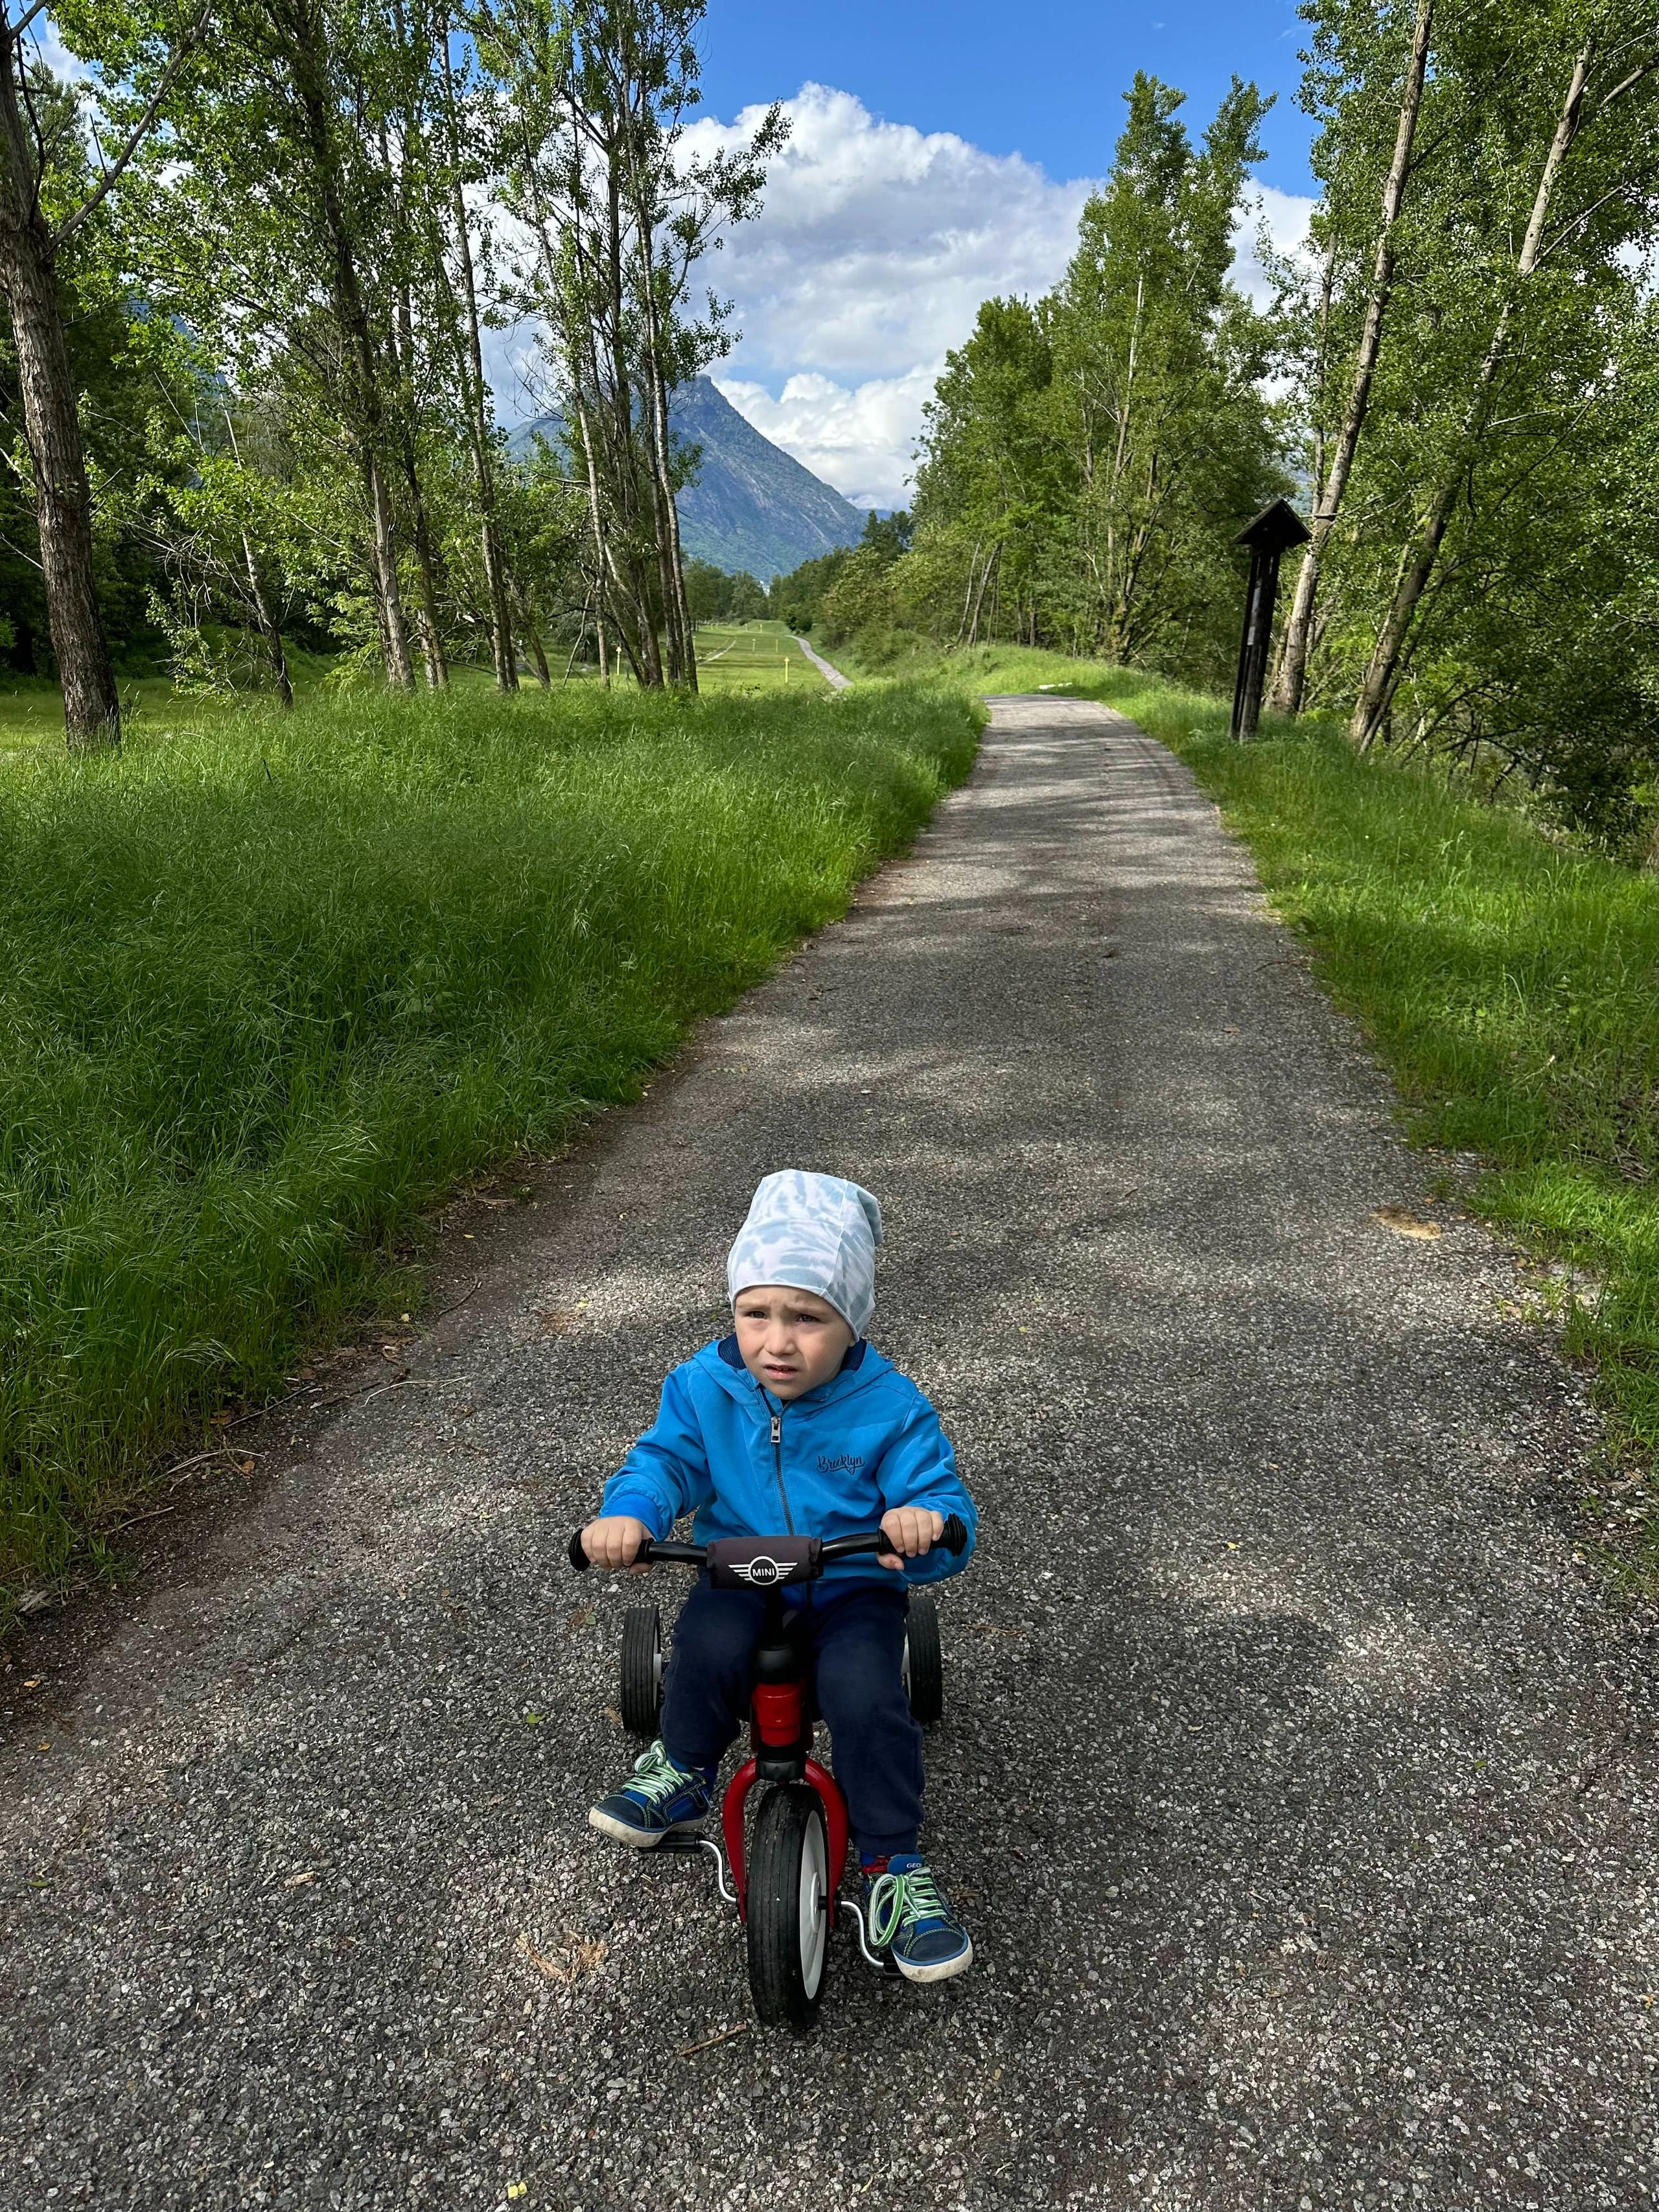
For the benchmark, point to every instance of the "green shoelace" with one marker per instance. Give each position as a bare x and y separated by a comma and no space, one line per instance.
896,1898
656,1776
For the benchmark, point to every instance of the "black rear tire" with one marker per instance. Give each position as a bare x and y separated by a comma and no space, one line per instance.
789,1907
641,1670
924,1659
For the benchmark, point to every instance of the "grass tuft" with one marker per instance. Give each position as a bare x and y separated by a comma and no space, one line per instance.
269,985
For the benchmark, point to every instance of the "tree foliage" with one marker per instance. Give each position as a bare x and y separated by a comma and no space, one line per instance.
307,208
1089,458
1485,588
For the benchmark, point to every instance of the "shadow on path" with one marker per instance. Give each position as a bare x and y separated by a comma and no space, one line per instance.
1297,1781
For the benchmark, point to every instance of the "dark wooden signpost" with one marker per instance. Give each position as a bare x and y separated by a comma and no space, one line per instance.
1275,530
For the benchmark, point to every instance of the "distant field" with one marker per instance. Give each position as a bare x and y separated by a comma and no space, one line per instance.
759,656
755,656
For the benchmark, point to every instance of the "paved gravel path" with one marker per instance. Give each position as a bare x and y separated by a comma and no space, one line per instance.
833,676
1296,1779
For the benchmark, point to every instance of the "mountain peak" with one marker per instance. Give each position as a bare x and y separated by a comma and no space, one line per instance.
752,506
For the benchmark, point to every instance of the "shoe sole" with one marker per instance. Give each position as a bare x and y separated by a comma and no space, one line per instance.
940,1972
640,1839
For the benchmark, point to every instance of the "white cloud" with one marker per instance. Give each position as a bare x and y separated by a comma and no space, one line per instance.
876,245
878,241
1286,216
858,439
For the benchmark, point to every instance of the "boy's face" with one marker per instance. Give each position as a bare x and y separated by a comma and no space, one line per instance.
790,1341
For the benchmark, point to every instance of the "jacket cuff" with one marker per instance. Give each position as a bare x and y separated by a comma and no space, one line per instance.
640,1505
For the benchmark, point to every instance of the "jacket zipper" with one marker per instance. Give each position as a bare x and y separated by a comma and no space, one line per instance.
777,1469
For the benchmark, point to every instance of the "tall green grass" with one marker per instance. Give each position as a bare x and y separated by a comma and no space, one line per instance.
267,986
1510,985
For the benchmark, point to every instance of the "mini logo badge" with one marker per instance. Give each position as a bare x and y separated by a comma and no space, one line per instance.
763,1571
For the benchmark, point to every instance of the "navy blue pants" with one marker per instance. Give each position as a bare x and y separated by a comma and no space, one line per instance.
856,1639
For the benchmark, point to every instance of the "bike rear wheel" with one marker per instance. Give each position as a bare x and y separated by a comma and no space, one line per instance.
789,1907
924,1659
641,1670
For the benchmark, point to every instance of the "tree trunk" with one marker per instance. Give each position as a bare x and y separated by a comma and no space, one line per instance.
532,638
383,555
986,574
968,596
352,315
676,613
1291,681
28,276
501,624
267,621
263,616
1387,663
427,614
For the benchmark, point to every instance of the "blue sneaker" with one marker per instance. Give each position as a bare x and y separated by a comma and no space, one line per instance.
660,1799
908,1919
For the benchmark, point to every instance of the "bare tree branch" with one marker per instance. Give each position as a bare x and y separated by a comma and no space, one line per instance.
16,30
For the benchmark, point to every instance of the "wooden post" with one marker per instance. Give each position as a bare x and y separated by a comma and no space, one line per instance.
1277,528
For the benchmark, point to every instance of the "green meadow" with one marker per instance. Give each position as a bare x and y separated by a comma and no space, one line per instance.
753,656
271,984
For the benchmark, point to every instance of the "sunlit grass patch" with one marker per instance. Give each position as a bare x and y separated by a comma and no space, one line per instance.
270,984
754,656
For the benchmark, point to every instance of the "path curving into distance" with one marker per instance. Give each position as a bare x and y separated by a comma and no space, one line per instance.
832,677
1298,1782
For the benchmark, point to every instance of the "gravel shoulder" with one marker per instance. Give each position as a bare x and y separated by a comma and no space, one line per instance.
1297,1779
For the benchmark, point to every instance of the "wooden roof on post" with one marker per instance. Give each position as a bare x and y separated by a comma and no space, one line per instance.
1275,530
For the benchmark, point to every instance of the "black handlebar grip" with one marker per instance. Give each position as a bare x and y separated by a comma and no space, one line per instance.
579,1559
954,1535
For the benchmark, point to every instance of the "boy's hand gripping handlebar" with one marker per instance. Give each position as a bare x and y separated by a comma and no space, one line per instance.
762,1562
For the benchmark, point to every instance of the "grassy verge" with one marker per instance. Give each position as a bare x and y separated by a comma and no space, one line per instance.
269,985
1510,986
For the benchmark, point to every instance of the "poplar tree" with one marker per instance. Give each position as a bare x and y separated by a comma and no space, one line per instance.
55,177
619,213
1088,460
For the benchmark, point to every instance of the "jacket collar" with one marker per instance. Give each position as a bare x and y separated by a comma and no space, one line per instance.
861,1366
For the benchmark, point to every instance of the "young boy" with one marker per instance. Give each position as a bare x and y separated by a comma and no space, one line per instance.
796,1423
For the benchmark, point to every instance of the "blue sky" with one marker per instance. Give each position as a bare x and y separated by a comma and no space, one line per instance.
1043,80
940,155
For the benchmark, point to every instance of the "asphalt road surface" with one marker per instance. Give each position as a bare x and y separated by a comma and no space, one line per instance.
1296,1779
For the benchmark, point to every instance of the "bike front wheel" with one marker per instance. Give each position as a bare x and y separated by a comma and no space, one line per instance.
789,1907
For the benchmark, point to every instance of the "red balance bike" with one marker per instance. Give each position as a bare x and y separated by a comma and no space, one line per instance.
787,1877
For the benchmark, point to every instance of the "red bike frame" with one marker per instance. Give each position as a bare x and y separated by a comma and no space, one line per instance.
779,1725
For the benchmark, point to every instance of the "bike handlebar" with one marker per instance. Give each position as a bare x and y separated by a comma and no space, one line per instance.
663,1551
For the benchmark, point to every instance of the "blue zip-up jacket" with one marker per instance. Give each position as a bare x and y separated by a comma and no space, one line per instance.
828,1463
